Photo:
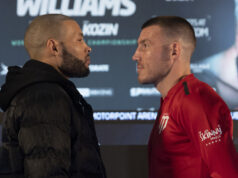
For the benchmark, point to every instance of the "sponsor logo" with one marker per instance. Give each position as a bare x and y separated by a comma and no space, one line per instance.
3,70
100,29
200,27
114,115
99,67
111,42
91,92
211,136
163,122
136,92
144,115
138,115
234,115
199,68
75,7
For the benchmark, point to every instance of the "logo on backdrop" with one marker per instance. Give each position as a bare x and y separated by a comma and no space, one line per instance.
163,122
139,91
3,69
200,26
80,7
100,29
96,92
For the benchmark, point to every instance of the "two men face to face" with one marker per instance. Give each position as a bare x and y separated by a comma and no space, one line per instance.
152,54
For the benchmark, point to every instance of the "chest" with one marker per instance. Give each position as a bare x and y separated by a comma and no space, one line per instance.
168,136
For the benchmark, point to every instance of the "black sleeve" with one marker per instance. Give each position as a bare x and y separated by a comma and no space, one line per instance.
44,131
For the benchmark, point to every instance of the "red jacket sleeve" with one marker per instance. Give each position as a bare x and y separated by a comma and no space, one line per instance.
207,121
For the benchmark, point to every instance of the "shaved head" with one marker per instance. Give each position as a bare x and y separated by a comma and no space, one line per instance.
40,30
175,28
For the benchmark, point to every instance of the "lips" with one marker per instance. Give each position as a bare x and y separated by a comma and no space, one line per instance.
87,60
139,67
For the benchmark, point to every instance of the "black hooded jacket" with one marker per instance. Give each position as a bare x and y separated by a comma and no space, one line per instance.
48,128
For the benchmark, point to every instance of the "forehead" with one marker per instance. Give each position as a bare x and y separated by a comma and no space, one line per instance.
71,28
151,33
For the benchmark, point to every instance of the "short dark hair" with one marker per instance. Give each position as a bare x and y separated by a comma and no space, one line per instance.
174,26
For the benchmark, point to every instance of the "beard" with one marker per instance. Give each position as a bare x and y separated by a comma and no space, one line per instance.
156,78
165,68
72,66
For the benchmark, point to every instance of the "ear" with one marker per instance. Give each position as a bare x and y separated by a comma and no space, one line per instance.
175,49
52,46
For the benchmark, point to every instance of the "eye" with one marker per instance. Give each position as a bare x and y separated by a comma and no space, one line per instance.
80,40
145,45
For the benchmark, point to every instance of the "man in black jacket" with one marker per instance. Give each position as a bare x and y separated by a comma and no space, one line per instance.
48,127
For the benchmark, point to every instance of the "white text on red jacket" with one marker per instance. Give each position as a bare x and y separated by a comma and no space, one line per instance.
212,136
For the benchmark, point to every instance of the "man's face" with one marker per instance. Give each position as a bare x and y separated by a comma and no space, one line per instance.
75,52
152,56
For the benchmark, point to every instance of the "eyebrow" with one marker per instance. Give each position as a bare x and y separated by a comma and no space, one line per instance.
143,41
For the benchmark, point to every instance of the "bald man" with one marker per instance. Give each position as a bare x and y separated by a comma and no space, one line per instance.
192,134
48,126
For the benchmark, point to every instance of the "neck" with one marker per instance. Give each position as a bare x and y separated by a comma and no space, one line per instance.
170,81
52,63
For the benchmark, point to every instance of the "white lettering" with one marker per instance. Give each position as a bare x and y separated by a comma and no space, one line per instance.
109,4
4,69
212,134
199,68
101,92
114,115
52,7
84,91
99,68
89,6
200,27
135,92
31,6
100,29
146,115
65,7
197,22
90,92
130,10
80,7
234,115
201,32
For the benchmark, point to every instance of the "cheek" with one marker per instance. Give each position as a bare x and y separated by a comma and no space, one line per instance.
78,52
151,60
151,55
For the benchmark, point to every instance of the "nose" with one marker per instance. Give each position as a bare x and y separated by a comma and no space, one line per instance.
135,57
88,49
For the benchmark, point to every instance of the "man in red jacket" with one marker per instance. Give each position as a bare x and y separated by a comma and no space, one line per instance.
192,135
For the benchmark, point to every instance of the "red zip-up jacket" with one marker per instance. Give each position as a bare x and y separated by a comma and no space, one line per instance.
192,135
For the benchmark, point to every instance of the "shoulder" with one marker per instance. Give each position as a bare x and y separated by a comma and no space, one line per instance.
43,89
41,103
42,95
198,98
201,93
202,108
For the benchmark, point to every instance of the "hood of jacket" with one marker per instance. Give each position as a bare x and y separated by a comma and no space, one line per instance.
32,72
